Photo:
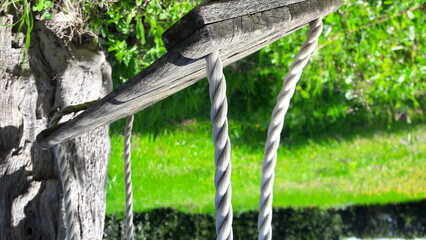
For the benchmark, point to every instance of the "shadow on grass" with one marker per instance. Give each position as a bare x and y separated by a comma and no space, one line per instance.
350,132
253,135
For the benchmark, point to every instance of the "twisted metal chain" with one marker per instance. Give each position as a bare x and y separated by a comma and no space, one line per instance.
128,178
222,158
275,128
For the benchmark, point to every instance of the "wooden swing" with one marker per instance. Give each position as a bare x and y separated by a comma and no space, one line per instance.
241,28
200,44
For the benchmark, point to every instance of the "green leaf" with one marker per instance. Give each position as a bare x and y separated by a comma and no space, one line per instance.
159,31
304,94
38,7
163,16
119,56
130,17
140,31
46,15
151,22
48,4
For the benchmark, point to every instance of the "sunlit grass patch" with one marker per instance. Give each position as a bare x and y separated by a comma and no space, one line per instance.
176,170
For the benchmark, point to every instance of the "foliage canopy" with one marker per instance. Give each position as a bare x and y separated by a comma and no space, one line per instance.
371,62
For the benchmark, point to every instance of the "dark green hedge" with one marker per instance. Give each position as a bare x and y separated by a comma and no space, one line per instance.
401,220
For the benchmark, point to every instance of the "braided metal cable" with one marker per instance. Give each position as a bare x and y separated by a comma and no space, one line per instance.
128,178
222,158
70,230
69,109
275,128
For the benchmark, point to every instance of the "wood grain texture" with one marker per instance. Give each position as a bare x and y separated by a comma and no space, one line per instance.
217,11
53,76
184,64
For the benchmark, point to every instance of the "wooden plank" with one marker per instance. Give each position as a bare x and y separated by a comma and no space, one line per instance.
184,64
217,11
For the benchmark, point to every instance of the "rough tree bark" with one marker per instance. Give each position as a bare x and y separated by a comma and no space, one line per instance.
59,71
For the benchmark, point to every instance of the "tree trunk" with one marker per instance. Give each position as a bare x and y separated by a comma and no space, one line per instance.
58,72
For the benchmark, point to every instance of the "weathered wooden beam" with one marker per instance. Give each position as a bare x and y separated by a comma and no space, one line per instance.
236,27
217,11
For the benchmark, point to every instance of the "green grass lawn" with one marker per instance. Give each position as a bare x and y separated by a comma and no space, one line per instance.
367,166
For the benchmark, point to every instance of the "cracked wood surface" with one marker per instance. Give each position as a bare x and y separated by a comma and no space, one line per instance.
53,76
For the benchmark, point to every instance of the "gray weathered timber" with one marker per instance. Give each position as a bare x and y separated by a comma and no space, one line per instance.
216,11
54,76
184,64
